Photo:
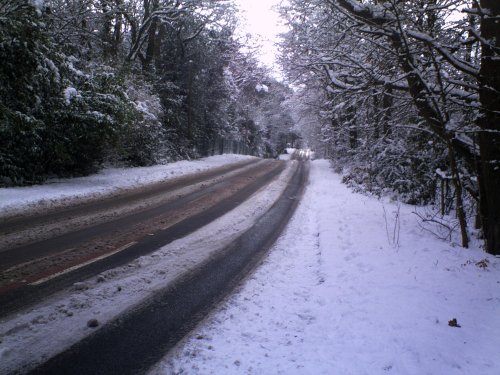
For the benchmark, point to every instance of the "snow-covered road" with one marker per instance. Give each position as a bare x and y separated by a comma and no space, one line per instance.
84,240
353,286
340,294
63,318
61,192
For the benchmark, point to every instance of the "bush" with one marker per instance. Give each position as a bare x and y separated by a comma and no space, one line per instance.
55,120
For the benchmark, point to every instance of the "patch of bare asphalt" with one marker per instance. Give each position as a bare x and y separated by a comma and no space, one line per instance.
76,206
73,217
218,189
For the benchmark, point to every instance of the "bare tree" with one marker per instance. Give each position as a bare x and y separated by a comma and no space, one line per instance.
416,53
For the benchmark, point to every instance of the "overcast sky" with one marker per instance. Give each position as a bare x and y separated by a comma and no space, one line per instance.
261,20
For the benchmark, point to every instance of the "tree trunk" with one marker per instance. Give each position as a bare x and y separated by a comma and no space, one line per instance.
387,105
151,46
353,128
353,137
376,116
118,29
190,102
458,194
106,38
489,123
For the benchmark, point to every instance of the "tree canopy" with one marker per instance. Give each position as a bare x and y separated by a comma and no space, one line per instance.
88,82
407,88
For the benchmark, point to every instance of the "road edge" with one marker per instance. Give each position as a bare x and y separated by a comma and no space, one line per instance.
162,318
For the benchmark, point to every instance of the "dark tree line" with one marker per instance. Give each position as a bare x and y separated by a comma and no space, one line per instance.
134,82
407,89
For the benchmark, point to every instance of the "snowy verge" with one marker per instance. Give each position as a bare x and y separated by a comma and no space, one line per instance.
62,320
288,155
58,192
337,295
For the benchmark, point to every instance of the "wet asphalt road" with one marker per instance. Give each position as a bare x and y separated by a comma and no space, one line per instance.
138,339
25,294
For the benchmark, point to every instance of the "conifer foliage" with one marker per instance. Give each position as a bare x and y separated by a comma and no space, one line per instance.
87,82
55,119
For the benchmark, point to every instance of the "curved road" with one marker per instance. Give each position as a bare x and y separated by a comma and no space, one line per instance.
138,339
31,272
131,225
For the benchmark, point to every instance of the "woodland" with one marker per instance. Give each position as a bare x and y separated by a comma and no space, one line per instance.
87,82
408,97
402,96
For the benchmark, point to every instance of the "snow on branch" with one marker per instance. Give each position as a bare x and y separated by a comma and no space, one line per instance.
337,82
374,16
372,13
444,52
396,83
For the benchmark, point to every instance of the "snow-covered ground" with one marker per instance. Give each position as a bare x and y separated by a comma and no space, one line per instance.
48,328
108,181
302,153
353,286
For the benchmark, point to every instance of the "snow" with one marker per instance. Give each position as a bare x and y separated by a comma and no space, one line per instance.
353,286
70,64
110,180
288,155
63,318
53,68
38,4
143,107
462,65
261,88
284,157
70,93
443,175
